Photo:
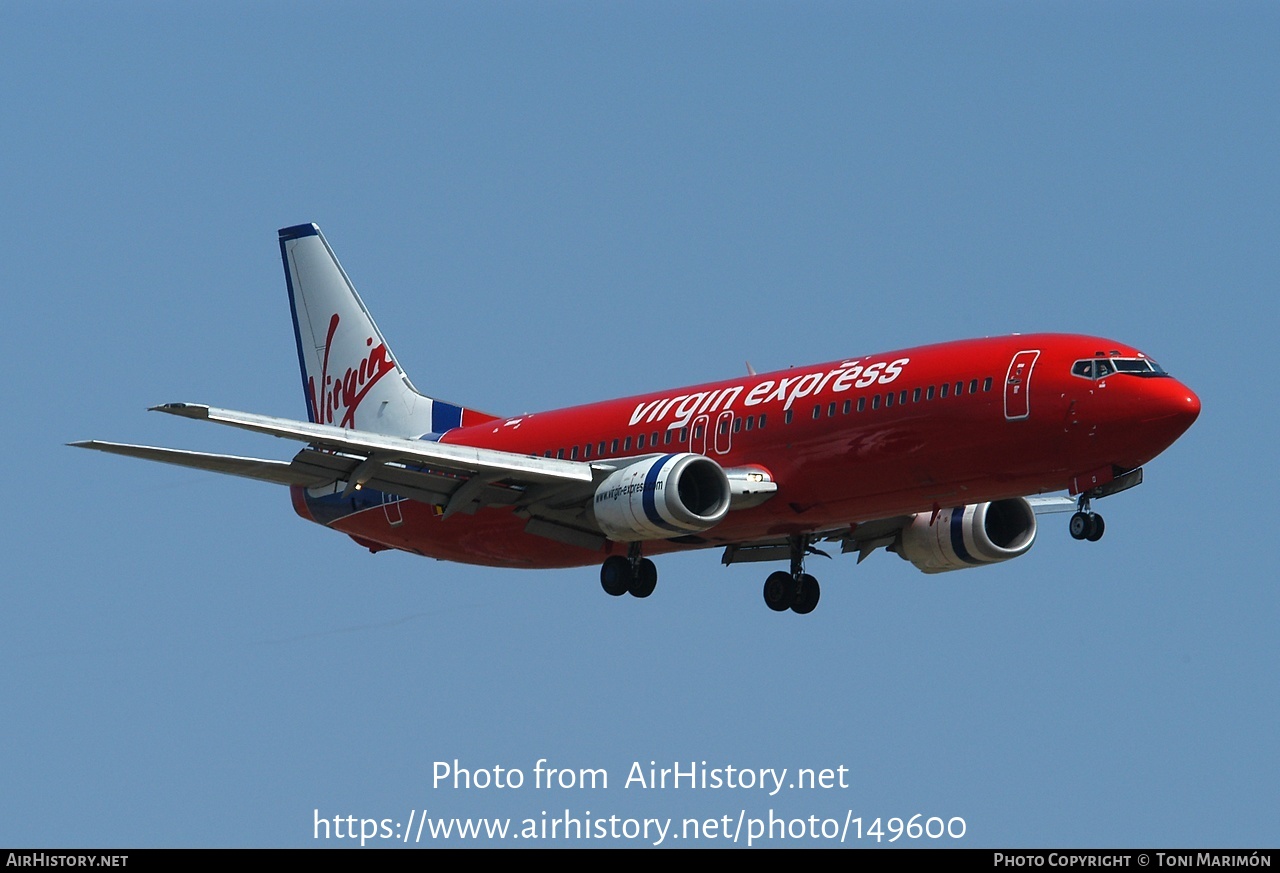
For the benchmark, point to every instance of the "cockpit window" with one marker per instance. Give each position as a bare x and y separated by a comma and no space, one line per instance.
1100,368
1139,367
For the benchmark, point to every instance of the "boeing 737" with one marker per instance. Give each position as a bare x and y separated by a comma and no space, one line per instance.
941,454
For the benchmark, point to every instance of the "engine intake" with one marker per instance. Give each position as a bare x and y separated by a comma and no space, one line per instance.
662,497
968,536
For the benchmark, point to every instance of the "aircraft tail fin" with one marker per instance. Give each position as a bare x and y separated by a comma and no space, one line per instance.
349,375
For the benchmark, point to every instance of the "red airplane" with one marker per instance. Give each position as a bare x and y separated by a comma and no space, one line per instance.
937,453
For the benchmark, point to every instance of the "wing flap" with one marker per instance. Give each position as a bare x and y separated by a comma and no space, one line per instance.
1043,505
863,538
335,468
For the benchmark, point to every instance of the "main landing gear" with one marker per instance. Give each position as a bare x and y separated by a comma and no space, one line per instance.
1086,524
797,590
632,575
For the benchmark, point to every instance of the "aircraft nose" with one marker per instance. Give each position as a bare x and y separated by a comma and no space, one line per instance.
1151,418
1173,407
1190,407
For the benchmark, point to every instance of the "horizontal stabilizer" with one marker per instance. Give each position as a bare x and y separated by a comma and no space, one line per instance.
279,472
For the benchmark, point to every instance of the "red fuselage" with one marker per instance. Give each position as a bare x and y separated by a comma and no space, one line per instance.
848,441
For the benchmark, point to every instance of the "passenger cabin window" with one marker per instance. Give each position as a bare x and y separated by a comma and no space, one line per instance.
626,444
640,442
761,425
614,448
573,453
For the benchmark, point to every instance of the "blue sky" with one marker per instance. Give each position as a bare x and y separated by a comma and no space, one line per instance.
546,204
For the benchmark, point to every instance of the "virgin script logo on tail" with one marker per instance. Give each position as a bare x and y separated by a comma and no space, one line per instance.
342,396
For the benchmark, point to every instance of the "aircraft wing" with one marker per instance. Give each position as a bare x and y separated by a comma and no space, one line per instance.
382,449
864,537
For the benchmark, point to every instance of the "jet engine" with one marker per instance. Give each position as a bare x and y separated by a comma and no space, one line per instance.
662,497
968,536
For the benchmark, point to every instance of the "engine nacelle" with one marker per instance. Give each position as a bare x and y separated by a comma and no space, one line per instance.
662,497
969,536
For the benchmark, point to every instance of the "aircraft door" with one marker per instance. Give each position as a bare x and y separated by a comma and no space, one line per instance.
698,434
724,432
1017,385
391,506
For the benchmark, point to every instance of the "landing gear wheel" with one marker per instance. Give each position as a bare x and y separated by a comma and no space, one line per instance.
645,579
807,594
779,591
1097,528
615,576
1080,526
1087,526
